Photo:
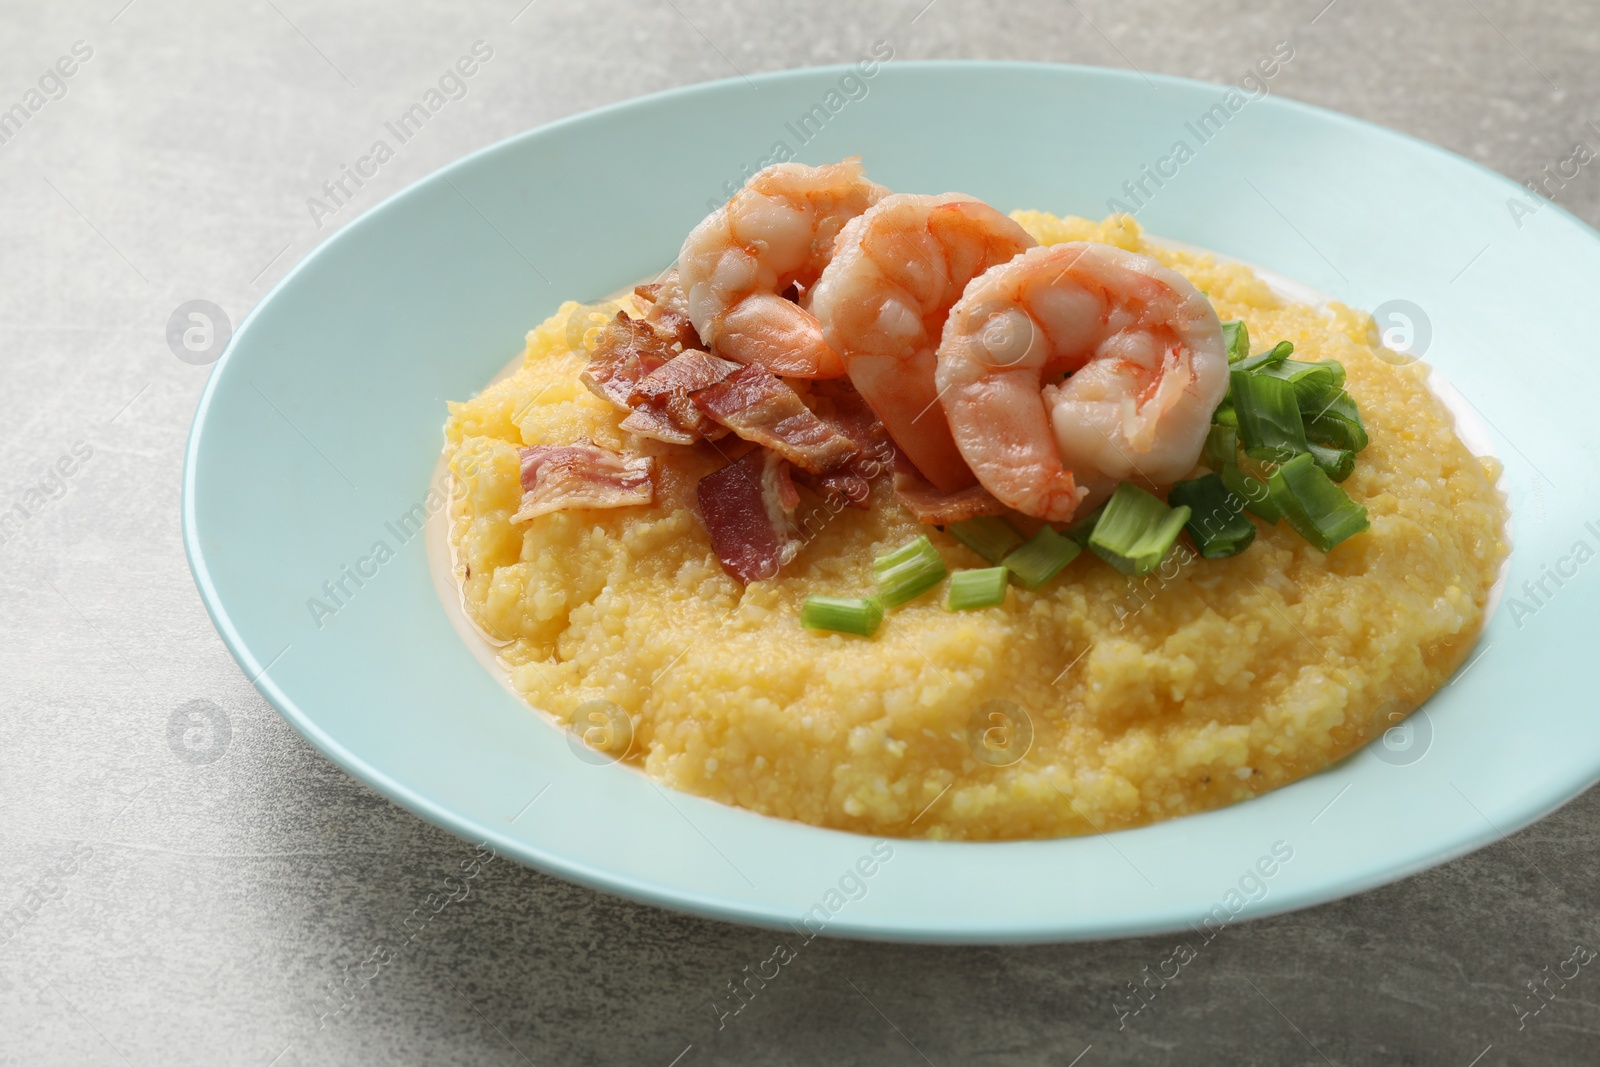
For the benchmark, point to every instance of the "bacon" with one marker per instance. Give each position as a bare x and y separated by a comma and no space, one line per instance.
657,422
628,353
748,508
842,408
669,388
628,350
667,306
686,373
582,475
756,405
934,506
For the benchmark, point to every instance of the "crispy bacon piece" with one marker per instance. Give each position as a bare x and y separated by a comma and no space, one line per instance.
759,407
657,422
748,508
666,390
934,506
582,475
842,408
686,373
667,306
628,350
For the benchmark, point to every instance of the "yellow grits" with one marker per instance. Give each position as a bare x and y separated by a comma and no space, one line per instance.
1205,683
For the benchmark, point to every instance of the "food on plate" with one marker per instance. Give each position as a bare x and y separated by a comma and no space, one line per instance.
892,513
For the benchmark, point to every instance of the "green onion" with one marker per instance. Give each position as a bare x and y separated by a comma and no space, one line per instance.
842,614
908,572
1079,531
1225,415
989,536
1222,447
1137,530
1216,523
1236,336
1334,367
1317,509
1335,421
1042,558
1276,354
1336,463
1270,426
1253,491
1312,381
977,588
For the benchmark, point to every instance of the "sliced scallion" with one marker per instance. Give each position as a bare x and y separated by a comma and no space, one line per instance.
1221,448
1137,530
1335,421
842,614
1253,491
1042,558
989,536
908,572
1276,354
1236,336
1336,463
1270,426
1311,381
977,589
1216,525
1317,509
1225,416
1080,530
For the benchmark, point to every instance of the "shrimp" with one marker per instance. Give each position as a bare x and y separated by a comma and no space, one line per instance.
1147,368
776,232
882,303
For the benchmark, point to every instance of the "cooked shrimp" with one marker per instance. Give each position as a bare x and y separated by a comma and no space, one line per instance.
1147,363
776,232
882,304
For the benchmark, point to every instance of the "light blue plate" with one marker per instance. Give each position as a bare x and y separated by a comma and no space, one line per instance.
320,427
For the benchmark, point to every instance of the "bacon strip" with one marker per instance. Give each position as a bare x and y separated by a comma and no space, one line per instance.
582,475
686,373
935,507
842,408
628,350
748,508
667,306
756,405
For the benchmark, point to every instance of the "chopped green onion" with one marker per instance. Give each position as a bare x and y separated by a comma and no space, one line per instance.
1336,463
1335,421
1312,381
1236,336
1270,426
1276,354
1216,525
908,572
1079,531
1317,509
977,588
1253,491
1042,558
1225,415
842,614
989,536
1336,368
1137,530
1222,447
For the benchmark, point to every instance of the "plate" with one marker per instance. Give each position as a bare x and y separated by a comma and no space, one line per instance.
318,432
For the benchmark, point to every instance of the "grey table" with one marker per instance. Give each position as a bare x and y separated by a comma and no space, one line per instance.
222,900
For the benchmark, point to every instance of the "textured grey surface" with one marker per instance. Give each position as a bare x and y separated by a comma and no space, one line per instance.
180,911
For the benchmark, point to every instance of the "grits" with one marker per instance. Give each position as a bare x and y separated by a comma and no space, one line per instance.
1204,683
